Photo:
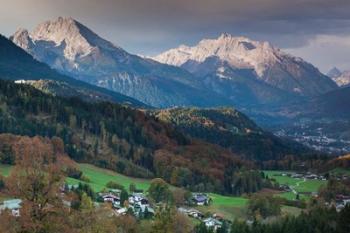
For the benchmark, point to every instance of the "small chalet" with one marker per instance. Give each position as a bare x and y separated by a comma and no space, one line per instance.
13,205
139,199
201,199
191,212
212,223
109,197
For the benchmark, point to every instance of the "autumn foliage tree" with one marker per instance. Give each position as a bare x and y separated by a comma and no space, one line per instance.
36,180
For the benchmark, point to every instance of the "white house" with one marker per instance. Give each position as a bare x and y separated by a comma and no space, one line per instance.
212,223
13,205
111,198
139,199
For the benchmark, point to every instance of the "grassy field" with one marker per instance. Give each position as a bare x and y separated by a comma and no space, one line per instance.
98,178
229,207
5,170
299,185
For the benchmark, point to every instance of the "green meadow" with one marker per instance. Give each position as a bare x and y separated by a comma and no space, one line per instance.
99,177
299,185
5,169
228,206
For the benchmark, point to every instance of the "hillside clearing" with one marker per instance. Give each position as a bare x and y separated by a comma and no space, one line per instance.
298,185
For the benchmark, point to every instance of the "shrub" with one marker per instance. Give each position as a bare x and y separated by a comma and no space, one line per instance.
2,183
74,173
159,191
114,185
264,206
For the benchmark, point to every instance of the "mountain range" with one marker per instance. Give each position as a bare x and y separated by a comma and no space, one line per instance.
265,62
227,71
71,48
255,77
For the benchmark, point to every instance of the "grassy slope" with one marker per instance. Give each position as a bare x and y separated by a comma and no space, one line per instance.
299,184
230,207
100,177
5,170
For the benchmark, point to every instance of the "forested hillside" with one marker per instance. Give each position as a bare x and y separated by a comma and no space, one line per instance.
119,138
231,129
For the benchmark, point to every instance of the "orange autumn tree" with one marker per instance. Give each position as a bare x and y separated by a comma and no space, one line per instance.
36,180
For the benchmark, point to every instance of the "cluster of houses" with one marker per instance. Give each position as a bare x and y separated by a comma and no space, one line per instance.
312,176
213,222
306,176
137,203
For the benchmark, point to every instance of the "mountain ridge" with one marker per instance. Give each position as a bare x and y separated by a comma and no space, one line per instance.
16,64
270,64
70,47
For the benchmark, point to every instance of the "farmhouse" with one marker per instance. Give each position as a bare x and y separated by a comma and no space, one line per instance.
110,197
138,198
13,205
191,212
212,223
201,199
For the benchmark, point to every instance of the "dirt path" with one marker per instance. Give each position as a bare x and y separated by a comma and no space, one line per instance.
297,185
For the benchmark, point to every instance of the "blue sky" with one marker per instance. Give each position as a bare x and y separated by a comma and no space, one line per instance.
317,30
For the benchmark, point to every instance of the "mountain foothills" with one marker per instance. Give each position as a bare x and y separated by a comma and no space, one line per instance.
231,129
73,49
119,138
16,64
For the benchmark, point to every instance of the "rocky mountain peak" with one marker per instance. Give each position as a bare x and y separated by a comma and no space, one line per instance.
239,52
334,72
21,38
66,36
269,63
